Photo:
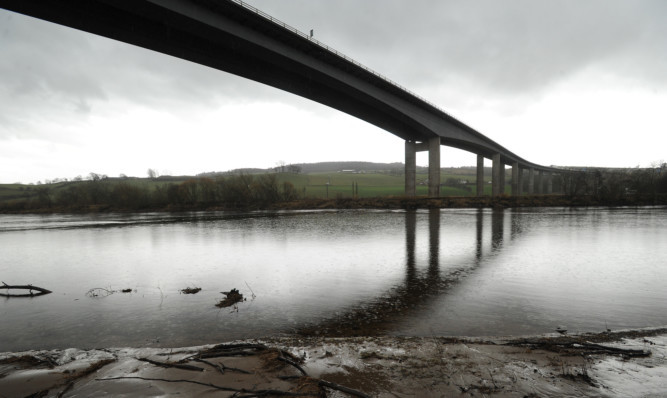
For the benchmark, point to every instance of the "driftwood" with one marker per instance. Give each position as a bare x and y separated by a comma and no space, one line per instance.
39,290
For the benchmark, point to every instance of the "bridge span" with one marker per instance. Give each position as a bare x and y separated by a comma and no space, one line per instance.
234,37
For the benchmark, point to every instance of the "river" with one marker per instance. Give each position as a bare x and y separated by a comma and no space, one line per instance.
426,273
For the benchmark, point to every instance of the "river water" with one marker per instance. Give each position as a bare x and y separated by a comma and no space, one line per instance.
425,273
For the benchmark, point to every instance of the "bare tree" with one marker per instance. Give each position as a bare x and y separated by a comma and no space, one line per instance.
280,166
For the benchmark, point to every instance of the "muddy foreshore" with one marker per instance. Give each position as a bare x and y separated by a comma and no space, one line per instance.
610,364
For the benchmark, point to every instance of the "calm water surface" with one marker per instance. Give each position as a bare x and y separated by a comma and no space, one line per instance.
424,273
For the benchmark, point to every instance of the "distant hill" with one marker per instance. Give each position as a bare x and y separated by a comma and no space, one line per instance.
324,167
321,167
333,167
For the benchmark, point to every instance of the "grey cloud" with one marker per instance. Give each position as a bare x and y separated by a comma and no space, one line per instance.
50,72
497,48
511,46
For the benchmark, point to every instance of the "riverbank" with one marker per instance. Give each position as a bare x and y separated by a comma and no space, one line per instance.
632,363
456,202
391,202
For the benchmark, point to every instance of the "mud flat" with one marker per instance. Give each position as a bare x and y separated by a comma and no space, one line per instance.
613,364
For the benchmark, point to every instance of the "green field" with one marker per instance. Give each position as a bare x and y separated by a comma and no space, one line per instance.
330,185
318,185
374,184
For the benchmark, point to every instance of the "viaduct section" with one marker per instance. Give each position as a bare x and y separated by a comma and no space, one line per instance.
234,37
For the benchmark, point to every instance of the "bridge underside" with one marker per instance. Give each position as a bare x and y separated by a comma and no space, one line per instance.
233,38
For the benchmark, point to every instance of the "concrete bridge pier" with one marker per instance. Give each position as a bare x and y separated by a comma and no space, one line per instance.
516,179
539,183
411,149
502,178
410,168
531,181
434,167
496,171
550,183
480,175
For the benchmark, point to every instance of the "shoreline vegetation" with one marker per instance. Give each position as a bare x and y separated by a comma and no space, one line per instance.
379,203
323,190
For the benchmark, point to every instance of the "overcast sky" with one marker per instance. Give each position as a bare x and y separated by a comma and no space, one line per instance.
556,82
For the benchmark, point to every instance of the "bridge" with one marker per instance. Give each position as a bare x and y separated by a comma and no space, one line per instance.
234,37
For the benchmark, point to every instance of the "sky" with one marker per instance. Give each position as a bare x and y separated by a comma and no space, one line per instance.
565,83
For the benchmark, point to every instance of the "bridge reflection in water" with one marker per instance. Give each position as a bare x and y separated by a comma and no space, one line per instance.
420,289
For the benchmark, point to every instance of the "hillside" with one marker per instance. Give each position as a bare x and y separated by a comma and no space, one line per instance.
333,167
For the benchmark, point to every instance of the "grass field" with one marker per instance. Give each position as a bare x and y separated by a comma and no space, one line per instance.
313,185
368,185
373,184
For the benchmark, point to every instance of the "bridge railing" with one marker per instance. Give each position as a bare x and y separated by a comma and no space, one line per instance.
334,51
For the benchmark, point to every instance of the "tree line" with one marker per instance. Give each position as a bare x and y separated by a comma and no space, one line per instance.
618,185
238,191
631,186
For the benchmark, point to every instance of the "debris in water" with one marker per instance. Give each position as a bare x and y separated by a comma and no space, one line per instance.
232,298
99,292
38,290
191,290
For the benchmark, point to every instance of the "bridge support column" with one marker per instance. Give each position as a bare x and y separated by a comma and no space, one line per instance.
550,183
496,172
531,181
502,178
434,167
516,181
410,168
539,184
480,175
